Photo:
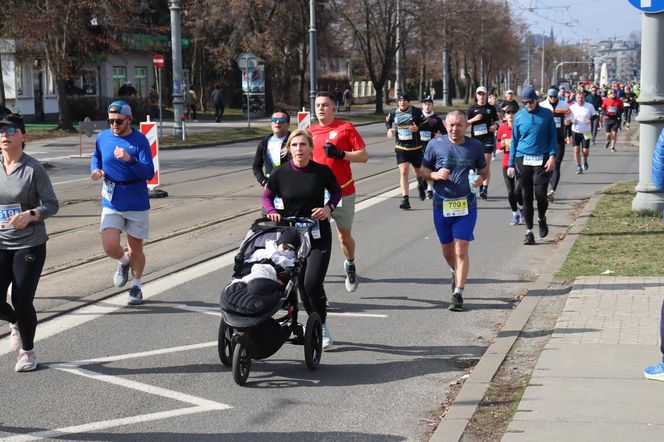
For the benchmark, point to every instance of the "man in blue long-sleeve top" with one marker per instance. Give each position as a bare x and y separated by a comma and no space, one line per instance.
533,158
124,160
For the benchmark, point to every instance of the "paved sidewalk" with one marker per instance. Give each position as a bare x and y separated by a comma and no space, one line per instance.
588,384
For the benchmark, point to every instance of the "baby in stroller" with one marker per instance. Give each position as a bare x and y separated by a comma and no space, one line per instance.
275,261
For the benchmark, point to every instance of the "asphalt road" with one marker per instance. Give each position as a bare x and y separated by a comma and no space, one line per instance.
113,372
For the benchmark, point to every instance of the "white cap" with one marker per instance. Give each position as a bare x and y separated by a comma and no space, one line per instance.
509,91
481,89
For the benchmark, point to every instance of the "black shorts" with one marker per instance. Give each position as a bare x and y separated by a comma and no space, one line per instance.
611,125
579,140
489,148
413,157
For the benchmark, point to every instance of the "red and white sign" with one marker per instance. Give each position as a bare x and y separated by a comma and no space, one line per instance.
149,129
303,120
158,61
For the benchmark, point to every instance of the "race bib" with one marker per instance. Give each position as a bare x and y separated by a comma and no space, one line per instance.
587,135
480,129
559,122
278,203
425,135
455,207
508,144
613,109
315,230
107,189
405,134
626,104
533,160
6,212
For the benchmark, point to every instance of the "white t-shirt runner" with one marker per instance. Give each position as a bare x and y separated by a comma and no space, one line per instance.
581,114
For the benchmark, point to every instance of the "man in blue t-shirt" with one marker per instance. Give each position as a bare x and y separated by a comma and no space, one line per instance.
448,161
124,160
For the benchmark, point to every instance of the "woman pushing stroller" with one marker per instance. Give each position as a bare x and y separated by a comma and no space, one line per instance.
301,184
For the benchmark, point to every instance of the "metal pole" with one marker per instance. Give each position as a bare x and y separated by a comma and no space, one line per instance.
176,48
446,78
161,106
313,57
248,98
651,112
542,73
397,61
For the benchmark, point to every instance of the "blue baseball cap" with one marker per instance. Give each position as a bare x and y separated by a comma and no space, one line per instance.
119,107
553,92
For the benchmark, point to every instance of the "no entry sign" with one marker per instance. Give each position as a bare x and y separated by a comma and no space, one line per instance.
158,61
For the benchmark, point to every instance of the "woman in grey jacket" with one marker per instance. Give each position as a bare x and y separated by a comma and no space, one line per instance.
26,200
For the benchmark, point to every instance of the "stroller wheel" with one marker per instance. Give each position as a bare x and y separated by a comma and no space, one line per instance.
224,344
313,341
241,364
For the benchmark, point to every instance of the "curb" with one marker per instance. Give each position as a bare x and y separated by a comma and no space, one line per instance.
453,424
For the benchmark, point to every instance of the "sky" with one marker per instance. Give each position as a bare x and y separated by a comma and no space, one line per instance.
573,20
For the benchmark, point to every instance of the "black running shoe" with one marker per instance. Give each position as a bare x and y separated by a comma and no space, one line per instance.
484,193
405,204
543,228
429,194
456,305
608,143
422,189
529,239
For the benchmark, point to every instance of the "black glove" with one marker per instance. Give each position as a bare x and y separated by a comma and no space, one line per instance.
331,151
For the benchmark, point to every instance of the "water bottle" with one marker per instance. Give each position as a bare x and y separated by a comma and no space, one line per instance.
472,176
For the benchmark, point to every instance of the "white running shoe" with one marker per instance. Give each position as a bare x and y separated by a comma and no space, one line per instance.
14,338
27,361
327,337
351,276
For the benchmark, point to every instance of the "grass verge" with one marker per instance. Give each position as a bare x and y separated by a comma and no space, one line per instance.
227,134
617,241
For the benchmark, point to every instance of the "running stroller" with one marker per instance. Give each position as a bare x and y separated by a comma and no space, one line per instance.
250,327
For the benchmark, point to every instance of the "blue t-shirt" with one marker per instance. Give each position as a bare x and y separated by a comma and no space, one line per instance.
130,178
459,159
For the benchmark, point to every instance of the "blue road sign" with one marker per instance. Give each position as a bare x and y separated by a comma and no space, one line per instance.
648,6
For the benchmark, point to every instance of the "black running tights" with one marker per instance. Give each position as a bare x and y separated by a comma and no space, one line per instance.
22,269
533,180
514,194
555,175
312,276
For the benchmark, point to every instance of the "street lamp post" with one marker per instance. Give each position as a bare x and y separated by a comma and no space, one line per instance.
312,58
176,47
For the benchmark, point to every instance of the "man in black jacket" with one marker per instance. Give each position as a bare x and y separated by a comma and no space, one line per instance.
270,153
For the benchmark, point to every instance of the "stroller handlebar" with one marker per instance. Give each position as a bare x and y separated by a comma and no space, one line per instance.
287,221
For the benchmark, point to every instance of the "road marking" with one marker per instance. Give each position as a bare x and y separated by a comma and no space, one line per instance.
356,315
71,181
216,312
143,354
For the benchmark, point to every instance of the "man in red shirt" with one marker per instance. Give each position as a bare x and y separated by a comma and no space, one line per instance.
612,108
337,144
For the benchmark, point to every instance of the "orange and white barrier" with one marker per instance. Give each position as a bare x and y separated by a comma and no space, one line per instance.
303,120
149,129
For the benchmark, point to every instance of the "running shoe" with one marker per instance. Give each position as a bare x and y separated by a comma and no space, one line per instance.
135,296
456,305
327,337
655,372
14,337
579,170
551,196
27,361
422,192
613,148
529,239
484,192
606,146
543,228
493,156
522,217
585,164
351,276
429,194
121,275
515,219
405,204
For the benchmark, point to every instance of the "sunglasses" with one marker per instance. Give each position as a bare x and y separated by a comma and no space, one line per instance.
8,131
481,93
117,121
528,101
279,120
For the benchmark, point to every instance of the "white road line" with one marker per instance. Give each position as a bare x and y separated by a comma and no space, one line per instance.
356,315
103,425
71,181
140,386
216,312
204,310
142,354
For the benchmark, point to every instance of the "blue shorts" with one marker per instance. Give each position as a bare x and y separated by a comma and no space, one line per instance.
454,227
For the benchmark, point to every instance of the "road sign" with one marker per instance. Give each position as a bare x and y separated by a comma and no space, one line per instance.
303,120
158,61
648,6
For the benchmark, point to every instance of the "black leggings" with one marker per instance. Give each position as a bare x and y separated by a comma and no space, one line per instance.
312,276
514,194
555,175
537,179
22,268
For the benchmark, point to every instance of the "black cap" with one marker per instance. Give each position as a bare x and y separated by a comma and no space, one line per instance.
290,237
13,120
427,98
404,97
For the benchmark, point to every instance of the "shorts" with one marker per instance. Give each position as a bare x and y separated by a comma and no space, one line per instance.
344,213
455,227
611,125
579,140
413,157
135,222
489,148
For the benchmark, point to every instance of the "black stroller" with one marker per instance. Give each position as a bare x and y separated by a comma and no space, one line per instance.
249,328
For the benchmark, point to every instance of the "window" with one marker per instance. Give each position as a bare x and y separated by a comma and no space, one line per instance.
89,82
141,79
49,83
119,78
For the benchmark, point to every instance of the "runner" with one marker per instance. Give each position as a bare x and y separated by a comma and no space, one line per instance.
509,100
612,108
269,153
629,104
533,154
448,161
493,101
504,138
432,127
561,116
337,144
484,123
123,159
596,100
407,120
583,113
